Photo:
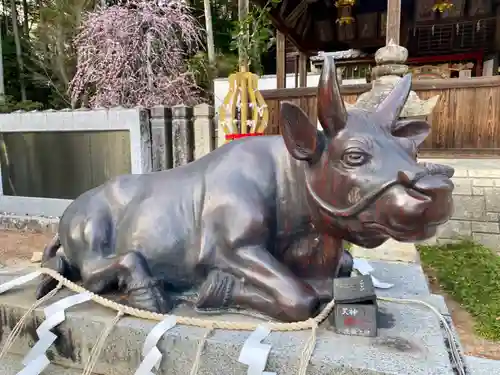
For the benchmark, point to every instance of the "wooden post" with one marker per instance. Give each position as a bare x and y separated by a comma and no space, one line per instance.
243,54
391,64
296,68
280,60
243,57
393,24
302,69
497,31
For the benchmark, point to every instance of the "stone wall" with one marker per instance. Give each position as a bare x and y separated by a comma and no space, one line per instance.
477,208
48,178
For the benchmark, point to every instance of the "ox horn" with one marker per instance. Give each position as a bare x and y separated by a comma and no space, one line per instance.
332,114
389,110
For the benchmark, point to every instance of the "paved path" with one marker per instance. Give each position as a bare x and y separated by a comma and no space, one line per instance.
392,251
468,163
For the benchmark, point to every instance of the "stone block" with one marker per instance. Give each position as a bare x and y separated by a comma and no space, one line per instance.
493,216
410,341
486,182
485,227
463,186
482,366
492,197
455,229
469,208
459,172
29,223
477,190
161,133
203,129
11,365
408,279
490,240
484,173
31,206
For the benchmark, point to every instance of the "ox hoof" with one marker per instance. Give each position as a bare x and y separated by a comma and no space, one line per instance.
216,291
151,296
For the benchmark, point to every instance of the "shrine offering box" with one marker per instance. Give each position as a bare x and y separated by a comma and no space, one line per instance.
355,311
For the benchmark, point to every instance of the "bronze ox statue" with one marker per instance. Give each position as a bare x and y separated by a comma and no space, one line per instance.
258,223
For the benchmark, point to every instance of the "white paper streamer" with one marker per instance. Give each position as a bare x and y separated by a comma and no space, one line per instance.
364,268
36,360
18,281
152,356
254,354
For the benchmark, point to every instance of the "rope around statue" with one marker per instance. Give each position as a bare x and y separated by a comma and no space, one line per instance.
210,325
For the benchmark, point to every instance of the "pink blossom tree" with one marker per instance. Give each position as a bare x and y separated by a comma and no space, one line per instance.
135,54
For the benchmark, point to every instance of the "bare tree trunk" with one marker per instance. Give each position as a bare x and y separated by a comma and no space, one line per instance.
4,155
210,32
243,53
2,82
26,25
5,18
234,10
61,55
210,45
17,39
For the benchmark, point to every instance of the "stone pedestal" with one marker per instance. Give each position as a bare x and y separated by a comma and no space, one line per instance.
410,338
390,67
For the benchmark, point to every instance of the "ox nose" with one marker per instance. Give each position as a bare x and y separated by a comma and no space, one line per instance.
436,187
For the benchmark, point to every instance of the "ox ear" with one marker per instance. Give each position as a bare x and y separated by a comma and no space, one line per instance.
300,135
416,130
332,114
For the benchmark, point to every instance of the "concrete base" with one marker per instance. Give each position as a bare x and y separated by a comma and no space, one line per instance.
28,223
410,341
482,366
11,365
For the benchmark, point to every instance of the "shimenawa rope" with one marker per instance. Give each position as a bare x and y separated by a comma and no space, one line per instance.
201,344
194,322
20,324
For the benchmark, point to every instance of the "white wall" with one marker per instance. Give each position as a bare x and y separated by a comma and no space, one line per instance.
488,67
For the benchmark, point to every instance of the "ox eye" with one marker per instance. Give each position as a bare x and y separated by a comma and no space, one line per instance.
355,158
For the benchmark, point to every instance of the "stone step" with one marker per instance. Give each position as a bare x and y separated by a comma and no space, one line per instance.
408,278
11,365
482,366
409,341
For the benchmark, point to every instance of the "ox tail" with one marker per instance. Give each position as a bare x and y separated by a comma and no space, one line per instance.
50,250
51,259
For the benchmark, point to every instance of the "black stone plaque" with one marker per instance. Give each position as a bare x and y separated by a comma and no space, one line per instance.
355,312
354,289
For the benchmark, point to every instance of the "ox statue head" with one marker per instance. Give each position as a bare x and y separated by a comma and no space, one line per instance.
362,176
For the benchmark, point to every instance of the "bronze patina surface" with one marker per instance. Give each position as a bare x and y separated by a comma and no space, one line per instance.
258,223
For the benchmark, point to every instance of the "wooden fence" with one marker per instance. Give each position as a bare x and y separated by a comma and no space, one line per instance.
53,156
466,118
